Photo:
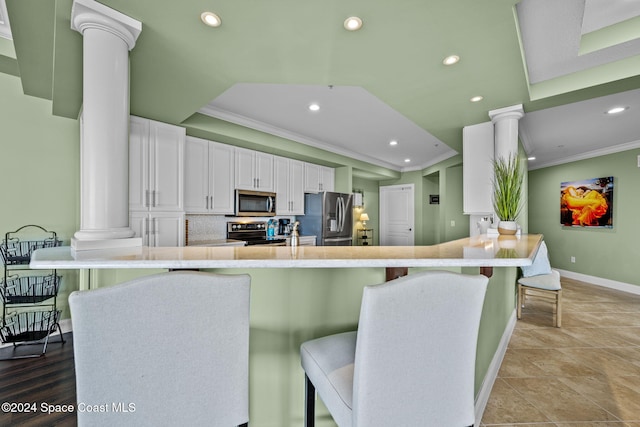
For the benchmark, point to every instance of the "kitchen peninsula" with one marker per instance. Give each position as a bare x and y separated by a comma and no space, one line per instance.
481,251
305,292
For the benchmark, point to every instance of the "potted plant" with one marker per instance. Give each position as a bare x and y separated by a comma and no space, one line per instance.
507,192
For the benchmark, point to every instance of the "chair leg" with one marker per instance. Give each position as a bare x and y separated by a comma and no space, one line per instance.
520,301
309,403
559,308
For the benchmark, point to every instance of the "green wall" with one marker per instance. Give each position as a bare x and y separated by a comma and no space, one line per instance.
371,206
431,212
456,224
40,169
603,253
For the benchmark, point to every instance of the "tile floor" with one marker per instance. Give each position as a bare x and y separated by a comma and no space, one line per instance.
585,374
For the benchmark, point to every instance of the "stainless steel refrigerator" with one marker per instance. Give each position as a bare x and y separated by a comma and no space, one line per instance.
329,217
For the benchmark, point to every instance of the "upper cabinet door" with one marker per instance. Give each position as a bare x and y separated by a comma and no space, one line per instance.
138,164
289,190
281,178
254,170
296,187
327,178
311,178
318,178
264,171
245,178
221,178
167,151
156,152
196,175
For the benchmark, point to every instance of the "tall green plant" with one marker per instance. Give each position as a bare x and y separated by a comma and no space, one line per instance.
507,187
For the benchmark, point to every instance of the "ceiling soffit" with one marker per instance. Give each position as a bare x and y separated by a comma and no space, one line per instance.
551,34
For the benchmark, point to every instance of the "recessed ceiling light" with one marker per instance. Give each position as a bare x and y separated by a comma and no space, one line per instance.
531,158
407,160
451,59
476,98
314,107
353,23
393,142
616,110
211,19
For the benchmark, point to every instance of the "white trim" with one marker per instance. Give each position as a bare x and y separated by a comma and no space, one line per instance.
494,367
588,155
599,281
65,325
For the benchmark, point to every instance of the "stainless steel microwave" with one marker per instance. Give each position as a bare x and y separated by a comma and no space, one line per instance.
255,203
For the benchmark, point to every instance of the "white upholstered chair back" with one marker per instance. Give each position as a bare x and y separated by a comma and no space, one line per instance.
163,350
416,350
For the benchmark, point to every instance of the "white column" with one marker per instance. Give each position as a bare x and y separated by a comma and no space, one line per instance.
505,123
108,36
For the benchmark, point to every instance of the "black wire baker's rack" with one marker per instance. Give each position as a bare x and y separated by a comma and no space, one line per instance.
29,311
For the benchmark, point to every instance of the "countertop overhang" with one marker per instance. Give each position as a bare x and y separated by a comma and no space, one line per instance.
480,251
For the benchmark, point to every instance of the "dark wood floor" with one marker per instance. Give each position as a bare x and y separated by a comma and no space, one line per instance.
47,381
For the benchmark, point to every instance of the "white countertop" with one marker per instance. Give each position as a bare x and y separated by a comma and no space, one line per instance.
217,242
482,251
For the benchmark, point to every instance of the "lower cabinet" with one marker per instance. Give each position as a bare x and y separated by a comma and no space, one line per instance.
158,228
303,241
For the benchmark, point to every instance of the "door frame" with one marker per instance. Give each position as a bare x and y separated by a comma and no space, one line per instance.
382,209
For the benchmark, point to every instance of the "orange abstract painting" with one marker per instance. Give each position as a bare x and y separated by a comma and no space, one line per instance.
587,203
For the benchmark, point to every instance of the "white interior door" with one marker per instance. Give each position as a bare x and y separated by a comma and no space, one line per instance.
397,215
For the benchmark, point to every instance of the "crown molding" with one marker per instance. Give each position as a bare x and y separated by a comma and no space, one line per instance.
589,155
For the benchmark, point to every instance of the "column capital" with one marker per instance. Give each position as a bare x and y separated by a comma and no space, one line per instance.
512,112
87,14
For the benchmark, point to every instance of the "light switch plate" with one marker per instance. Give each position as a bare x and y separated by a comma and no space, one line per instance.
639,161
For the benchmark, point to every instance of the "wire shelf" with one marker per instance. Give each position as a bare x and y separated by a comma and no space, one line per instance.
15,251
29,326
29,289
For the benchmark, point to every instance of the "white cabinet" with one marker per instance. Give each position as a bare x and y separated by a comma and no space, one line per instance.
158,228
155,166
254,170
318,178
477,168
208,177
288,186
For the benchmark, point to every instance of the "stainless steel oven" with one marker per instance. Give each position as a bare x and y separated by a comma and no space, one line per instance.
254,233
255,203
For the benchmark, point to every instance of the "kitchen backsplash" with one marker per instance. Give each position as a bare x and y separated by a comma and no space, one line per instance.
206,227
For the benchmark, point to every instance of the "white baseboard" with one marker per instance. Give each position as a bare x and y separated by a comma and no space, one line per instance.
492,373
65,325
599,281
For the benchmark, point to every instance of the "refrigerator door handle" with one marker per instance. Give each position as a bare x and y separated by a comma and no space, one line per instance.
342,214
339,212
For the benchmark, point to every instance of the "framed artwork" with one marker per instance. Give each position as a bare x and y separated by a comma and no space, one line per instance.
587,203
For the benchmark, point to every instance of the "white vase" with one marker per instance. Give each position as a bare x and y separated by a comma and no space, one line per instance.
507,227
